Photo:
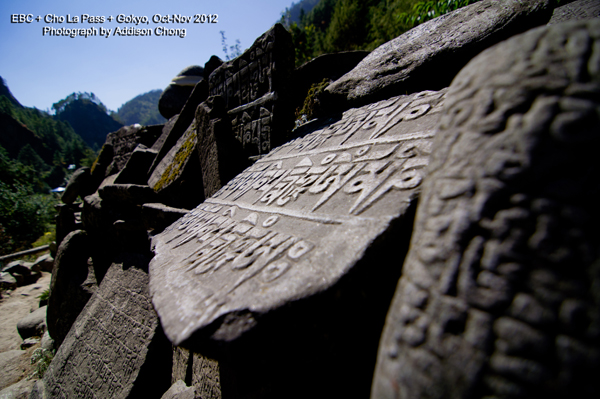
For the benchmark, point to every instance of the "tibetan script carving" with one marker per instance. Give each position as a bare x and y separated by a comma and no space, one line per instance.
297,220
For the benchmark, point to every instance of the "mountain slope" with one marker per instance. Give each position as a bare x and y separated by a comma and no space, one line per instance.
142,109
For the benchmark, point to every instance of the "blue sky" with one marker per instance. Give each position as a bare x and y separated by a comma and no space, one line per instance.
40,70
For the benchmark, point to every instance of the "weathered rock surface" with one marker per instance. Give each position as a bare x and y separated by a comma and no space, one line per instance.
73,283
116,347
197,371
125,140
178,177
10,362
221,155
180,123
79,184
136,169
256,87
577,10
499,294
45,263
20,390
157,216
176,94
23,272
33,324
297,225
327,66
430,55
180,391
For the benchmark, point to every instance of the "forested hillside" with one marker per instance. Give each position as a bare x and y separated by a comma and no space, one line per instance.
88,117
142,109
35,153
343,25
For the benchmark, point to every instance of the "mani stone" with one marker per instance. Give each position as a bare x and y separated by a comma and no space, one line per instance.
256,87
286,261
221,155
72,284
177,178
116,348
431,54
499,295
577,10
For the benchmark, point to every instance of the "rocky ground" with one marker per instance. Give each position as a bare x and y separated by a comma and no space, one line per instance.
15,363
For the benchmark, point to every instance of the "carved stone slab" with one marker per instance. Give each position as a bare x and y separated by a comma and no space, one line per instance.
105,351
296,221
256,87
499,295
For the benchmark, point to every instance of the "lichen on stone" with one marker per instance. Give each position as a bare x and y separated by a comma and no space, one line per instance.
174,168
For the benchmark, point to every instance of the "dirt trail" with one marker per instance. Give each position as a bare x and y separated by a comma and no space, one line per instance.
15,305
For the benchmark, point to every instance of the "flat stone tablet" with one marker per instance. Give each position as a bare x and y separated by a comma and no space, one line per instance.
500,291
296,221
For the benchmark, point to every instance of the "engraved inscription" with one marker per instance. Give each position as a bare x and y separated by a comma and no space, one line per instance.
297,220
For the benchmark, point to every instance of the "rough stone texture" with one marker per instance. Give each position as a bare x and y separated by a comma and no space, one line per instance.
206,377
178,178
20,390
221,155
213,63
256,87
66,220
137,167
181,123
499,295
182,365
116,348
167,127
10,362
33,324
127,194
198,371
101,164
180,391
326,66
430,55
300,230
7,281
173,98
24,273
79,184
126,139
45,263
73,283
157,217
577,10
